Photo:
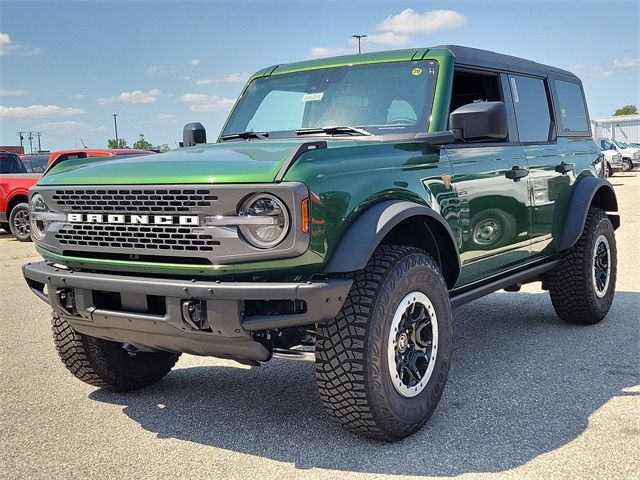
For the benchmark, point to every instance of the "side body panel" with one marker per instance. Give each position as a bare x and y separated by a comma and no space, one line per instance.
492,226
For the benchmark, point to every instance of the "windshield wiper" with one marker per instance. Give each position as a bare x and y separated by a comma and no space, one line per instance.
246,135
332,130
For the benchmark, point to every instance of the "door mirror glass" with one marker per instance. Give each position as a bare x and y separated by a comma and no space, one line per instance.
480,121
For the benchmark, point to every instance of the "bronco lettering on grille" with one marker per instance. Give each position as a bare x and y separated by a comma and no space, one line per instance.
187,220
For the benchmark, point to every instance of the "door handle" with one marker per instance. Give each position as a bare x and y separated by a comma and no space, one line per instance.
565,167
516,173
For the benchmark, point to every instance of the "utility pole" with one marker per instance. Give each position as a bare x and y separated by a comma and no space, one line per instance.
359,37
30,142
21,137
115,124
39,146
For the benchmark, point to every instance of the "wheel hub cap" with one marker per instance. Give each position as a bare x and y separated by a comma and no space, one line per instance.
601,272
413,343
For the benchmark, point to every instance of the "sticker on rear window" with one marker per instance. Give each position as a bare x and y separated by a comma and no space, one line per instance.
416,71
312,97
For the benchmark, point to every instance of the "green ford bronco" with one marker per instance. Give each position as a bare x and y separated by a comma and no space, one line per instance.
348,204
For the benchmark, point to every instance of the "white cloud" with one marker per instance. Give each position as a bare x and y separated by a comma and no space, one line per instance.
206,103
195,62
38,111
8,47
386,38
11,93
607,69
136,96
624,63
164,118
409,21
76,96
230,78
320,52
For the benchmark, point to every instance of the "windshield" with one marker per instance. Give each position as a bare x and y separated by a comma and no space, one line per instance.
11,164
620,144
381,98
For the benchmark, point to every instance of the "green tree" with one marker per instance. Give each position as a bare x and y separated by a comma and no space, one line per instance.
142,144
120,143
163,148
626,110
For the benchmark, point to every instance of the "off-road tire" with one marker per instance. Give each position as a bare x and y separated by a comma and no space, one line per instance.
571,285
352,372
106,364
16,222
5,227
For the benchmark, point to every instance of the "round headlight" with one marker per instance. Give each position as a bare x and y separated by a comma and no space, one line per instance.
271,220
37,217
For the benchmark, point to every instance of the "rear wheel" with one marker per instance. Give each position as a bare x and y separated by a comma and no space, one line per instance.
107,364
582,286
382,363
19,222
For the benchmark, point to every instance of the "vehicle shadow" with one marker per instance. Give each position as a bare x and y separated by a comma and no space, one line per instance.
523,383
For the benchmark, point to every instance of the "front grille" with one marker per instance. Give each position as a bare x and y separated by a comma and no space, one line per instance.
160,238
120,200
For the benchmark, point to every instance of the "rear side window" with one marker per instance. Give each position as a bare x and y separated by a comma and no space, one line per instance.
11,164
573,111
531,103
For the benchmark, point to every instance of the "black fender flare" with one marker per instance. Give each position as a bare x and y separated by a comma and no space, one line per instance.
585,191
370,228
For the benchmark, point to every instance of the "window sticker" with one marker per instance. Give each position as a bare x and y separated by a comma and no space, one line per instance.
416,71
514,90
312,97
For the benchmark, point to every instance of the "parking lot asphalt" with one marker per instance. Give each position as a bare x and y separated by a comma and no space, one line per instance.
528,397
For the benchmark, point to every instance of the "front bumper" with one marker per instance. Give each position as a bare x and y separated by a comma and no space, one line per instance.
148,312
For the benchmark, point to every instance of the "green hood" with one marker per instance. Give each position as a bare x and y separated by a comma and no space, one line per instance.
231,162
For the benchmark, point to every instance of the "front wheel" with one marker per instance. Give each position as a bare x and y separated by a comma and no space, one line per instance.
107,364
19,222
627,166
383,362
583,284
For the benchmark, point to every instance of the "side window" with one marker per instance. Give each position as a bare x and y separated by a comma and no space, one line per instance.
474,87
573,111
531,103
605,145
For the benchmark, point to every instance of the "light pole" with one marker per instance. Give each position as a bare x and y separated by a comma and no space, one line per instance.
115,125
359,37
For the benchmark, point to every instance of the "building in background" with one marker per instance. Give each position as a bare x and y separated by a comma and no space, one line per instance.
12,148
625,128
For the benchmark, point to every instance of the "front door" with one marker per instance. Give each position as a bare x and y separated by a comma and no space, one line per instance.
493,215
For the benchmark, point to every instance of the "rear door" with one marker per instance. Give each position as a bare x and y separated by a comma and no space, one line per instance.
548,179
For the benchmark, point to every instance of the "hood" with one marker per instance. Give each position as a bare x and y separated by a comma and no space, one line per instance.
231,162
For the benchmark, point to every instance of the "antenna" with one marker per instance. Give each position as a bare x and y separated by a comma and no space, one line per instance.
82,142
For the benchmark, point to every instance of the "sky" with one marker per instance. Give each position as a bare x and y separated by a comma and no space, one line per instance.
66,67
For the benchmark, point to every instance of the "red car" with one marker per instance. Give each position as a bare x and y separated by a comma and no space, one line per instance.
15,183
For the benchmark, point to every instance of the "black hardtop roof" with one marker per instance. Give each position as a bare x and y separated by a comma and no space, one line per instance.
486,58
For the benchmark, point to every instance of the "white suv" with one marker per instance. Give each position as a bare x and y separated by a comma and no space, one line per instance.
630,155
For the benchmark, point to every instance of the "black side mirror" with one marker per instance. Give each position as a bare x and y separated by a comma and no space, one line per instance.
193,134
478,121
